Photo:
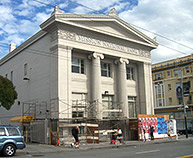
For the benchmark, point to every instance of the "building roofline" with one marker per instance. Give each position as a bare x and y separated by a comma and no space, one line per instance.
58,16
172,63
23,46
173,60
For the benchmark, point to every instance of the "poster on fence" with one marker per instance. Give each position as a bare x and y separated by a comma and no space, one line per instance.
159,123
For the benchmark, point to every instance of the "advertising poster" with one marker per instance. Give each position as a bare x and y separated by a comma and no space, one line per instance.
160,123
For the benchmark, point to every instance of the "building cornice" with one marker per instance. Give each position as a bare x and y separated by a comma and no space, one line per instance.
72,19
66,35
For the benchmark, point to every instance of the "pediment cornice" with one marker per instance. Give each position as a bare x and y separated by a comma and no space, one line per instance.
77,20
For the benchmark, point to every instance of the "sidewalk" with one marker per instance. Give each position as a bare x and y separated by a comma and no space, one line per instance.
34,148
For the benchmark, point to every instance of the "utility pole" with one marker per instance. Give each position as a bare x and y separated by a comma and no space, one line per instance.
185,114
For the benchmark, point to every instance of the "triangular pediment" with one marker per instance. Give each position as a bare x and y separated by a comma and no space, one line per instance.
111,28
109,24
116,28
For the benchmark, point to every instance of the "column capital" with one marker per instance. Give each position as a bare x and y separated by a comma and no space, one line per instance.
96,55
122,60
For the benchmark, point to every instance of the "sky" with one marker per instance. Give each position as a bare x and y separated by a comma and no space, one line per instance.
170,21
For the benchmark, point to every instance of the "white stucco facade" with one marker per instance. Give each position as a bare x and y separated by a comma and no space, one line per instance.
96,42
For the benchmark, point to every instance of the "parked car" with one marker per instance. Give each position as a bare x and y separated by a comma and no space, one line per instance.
11,139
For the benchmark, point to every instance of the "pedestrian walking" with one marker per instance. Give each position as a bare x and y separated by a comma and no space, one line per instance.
169,134
151,131
144,138
75,132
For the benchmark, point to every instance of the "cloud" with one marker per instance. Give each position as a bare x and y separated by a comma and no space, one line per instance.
15,38
97,4
40,17
80,10
172,19
27,25
63,5
6,14
121,6
93,5
10,29
23,12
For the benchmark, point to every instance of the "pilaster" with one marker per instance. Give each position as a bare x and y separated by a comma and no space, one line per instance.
146,90
60,88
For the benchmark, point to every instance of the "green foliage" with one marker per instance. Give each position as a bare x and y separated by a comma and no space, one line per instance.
8,95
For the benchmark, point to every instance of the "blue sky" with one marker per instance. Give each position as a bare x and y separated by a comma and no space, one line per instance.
172,19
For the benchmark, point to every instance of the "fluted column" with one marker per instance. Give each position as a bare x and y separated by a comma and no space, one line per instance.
122,85
96,92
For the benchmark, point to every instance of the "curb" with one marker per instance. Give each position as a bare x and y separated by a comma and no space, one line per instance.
84,148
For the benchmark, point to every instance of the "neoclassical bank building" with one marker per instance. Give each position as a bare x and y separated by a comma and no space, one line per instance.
88,70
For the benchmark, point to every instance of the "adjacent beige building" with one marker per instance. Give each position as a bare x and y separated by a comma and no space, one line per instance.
93,67
169,94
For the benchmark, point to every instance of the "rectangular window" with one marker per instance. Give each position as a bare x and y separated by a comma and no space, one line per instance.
12,76
78,65
79,103
187,69
13,131
158,76
130,73
105,69
169,87
2,132
168,73
162,87
107,103
159,89
170,101
159,102
132,106
177,72
77,114
25,69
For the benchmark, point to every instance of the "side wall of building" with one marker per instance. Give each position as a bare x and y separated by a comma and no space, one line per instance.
32,85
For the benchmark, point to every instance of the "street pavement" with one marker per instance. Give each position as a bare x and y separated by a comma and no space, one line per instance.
34,148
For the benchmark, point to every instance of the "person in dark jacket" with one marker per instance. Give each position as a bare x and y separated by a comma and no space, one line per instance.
75,132
151,131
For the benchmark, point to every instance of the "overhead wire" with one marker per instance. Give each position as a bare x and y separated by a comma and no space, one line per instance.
103,30
171,40
138,27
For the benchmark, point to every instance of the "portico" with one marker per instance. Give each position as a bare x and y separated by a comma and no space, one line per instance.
115,65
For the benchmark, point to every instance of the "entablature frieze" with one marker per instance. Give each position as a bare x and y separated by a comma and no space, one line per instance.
66,35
